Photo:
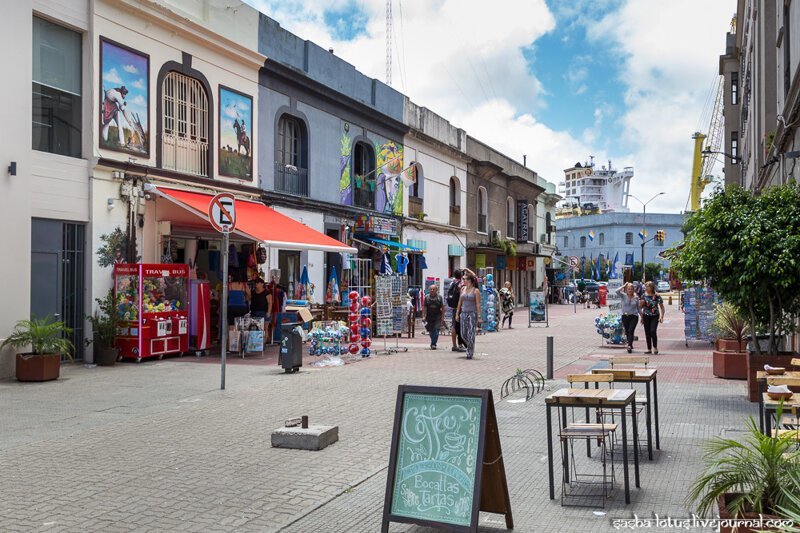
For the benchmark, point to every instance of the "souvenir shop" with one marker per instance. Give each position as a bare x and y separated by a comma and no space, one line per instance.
172,300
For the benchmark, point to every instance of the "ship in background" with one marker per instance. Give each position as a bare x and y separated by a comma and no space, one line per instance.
588,190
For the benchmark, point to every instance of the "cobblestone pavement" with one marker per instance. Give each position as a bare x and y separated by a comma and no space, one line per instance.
157,447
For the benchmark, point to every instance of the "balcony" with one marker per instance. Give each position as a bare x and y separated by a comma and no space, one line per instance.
185,154
455,215
364,197
291,179
481,223
415,207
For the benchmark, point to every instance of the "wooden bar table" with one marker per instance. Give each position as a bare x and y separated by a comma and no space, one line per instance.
646,376
595,398
761,379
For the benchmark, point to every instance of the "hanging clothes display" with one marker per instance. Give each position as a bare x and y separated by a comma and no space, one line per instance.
402,263
386,264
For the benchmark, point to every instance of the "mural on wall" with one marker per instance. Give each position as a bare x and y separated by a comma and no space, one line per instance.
389,196
235,127
345,191
125,99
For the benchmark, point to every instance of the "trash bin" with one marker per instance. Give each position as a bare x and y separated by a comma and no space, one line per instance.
602,293
291,352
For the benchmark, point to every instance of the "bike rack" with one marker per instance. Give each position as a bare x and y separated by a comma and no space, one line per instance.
530,379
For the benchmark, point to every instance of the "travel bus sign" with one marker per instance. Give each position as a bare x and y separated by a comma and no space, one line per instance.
222,212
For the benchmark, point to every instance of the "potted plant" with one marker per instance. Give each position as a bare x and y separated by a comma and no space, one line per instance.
105,322
756,475
45,337
729,359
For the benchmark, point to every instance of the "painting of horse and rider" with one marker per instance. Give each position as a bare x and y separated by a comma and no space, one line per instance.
235,131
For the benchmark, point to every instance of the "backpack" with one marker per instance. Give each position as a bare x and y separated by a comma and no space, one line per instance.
453,294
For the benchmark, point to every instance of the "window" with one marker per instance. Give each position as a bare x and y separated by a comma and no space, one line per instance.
601,239
56,89
734,147
531,223
548,226
291,168
734,88
483,208
416,191
583,242
511,218
455,202
185,125
364,175
629,238
566,242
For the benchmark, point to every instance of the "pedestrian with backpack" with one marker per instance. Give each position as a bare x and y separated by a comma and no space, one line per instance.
453,296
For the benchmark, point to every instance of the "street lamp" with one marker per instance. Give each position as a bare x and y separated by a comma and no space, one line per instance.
644,223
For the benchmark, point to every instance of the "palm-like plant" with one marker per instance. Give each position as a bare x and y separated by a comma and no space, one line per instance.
730,322
763,472
43,335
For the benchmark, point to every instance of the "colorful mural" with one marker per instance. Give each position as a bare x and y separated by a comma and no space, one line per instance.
345,191
389,194
235,123
125,94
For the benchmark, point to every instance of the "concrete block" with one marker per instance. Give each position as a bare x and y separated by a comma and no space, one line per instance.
313,438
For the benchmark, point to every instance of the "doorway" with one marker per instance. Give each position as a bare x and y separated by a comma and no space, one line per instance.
57,275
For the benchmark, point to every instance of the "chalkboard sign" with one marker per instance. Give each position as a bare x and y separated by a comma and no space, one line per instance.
445,463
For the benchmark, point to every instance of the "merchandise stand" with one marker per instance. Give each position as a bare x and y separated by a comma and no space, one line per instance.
247,336
390,310
698,313
326,338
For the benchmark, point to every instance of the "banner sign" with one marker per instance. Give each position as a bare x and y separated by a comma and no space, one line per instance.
537,306
522,221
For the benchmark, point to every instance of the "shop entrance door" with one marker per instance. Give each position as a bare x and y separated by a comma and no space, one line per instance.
57,275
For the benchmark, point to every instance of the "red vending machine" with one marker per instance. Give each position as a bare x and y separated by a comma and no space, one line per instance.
199,315
152,301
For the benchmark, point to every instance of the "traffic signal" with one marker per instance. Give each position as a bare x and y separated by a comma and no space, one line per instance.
661,235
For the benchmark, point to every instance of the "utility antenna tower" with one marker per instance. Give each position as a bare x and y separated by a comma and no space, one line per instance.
388,42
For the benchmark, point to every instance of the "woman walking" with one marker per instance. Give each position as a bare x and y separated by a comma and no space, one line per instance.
507,300
630,312
652,315
432,314
467,312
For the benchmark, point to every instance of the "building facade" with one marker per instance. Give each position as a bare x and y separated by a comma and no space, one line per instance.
588,189
508,231
616,236
762,94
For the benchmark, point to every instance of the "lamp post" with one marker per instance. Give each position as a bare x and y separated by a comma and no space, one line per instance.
644,224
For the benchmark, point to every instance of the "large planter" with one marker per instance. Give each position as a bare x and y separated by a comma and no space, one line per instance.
730,365
757,362
730,345
106,356
31,367
724,515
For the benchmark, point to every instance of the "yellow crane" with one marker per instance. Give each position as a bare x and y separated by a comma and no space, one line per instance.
699,181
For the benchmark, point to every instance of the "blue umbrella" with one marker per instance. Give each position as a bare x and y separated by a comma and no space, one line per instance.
302,285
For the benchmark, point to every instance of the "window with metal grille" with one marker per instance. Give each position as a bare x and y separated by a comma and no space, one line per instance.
185,127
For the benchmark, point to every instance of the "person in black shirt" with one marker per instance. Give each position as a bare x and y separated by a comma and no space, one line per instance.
261,301
432,314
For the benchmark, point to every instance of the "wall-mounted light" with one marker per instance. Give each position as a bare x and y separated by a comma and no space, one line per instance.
12,168
110,204
118,174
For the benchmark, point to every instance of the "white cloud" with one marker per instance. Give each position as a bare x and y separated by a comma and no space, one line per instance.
130,69
464,62
112,76
139,100
138,84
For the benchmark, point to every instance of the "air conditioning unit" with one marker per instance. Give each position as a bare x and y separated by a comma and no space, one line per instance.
496,234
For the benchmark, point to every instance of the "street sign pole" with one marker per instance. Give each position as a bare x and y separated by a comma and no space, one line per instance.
224,305
574,294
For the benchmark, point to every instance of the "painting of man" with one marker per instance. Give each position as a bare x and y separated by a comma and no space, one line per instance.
125,98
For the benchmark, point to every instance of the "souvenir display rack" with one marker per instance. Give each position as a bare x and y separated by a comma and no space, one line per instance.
699,310
390,309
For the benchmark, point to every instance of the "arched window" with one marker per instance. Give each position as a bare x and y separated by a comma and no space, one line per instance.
629,238
548,223
511,218
483,210
602,239
416,191
583,242
455,202
291,158
531,223
363,180
184,125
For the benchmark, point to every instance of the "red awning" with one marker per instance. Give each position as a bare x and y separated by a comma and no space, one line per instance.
260,223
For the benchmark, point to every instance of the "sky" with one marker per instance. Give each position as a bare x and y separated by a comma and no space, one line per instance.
556,80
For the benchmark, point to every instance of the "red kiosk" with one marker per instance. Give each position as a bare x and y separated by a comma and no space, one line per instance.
152,301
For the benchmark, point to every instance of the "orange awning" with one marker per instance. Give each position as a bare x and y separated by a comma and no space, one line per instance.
260,223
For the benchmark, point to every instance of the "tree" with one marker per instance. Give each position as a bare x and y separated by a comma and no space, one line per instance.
748,249
652,271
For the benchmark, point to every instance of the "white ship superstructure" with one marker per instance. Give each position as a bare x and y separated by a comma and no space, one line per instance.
590,190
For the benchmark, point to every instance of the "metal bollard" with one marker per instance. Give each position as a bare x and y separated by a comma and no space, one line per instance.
304,422
549,358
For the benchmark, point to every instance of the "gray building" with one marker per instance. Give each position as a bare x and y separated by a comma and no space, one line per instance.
617,235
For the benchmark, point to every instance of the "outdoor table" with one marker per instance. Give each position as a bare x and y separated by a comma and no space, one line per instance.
772,405
646,376
607,399
761,379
